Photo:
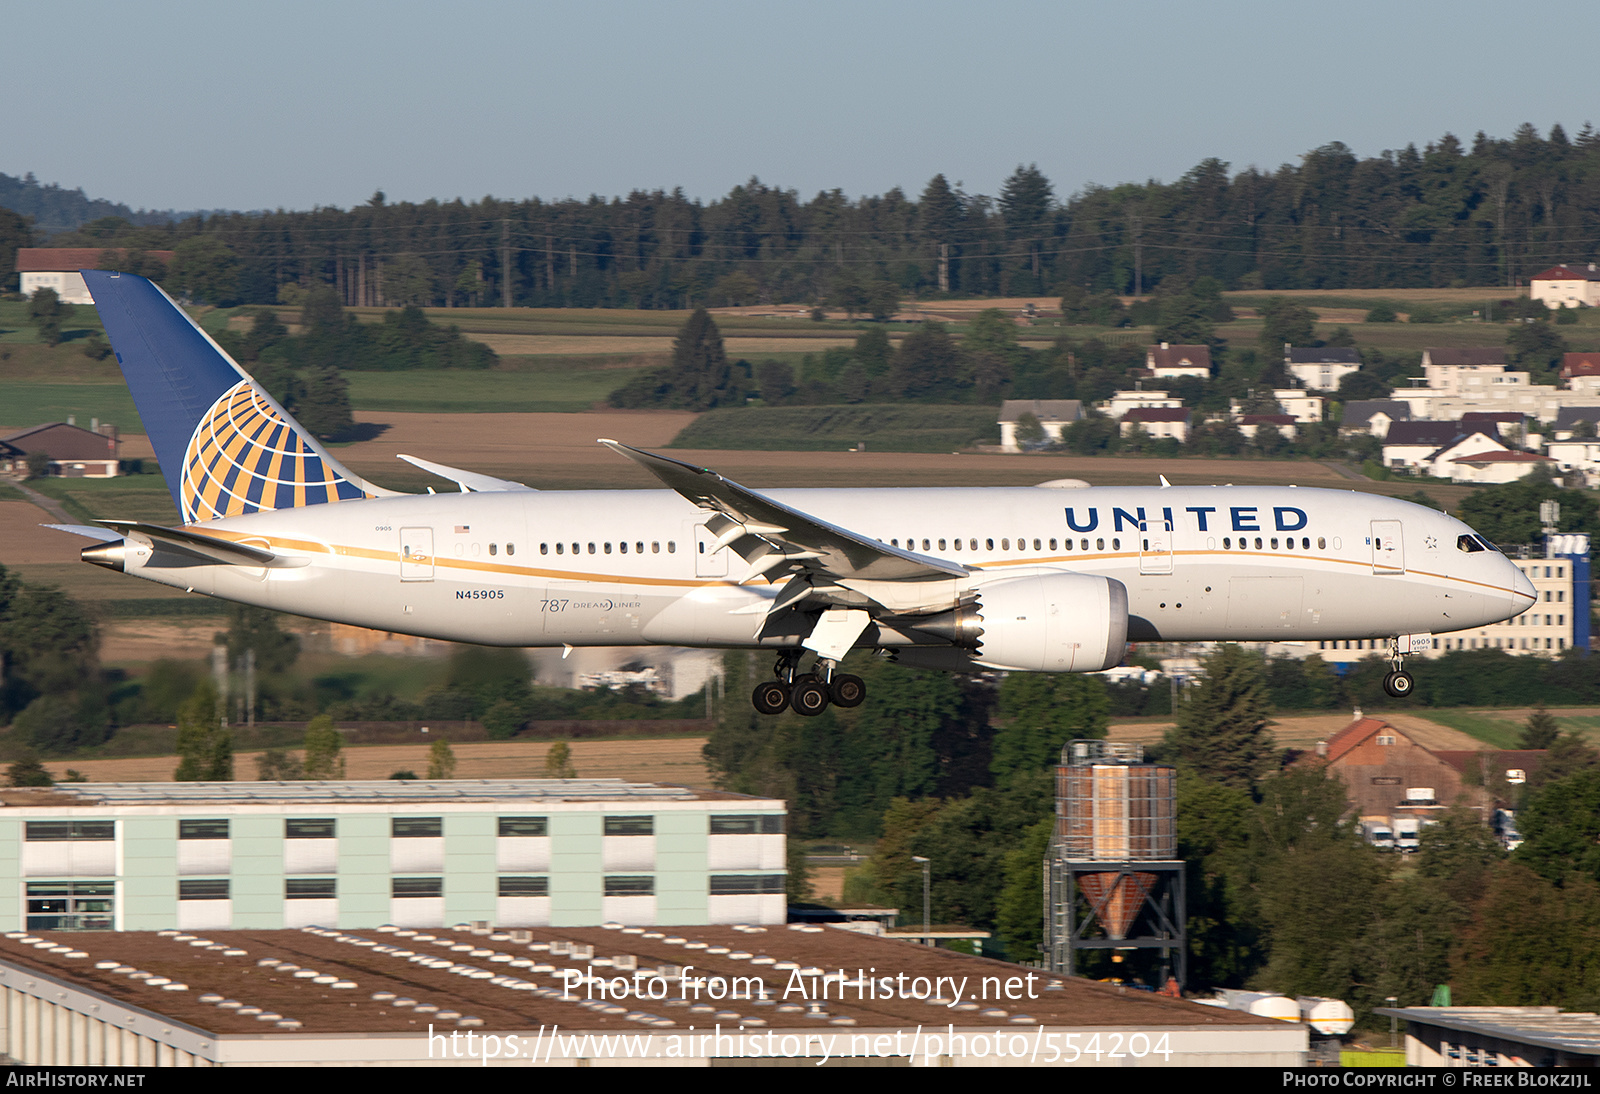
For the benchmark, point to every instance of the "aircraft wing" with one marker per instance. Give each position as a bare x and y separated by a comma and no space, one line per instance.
469,481
778,540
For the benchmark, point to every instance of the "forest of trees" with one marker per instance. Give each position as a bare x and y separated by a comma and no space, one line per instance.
1486,213
1283,894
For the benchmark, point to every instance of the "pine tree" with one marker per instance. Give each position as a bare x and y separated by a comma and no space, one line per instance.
1221,732
701,376
1541,731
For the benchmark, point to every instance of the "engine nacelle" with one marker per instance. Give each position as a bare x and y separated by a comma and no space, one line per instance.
1052,622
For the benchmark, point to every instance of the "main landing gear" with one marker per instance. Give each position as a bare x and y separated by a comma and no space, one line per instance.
808,693
1399,682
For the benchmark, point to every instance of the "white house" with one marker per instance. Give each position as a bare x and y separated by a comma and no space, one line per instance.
1321,369
1374,416
1158,422
1172,361
1250,423
1053,414
1490,467
1418,445
1574,286
1123,401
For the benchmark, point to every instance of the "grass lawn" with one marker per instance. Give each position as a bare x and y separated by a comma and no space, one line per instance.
882,428
563,385
131,497
1496,732
27,403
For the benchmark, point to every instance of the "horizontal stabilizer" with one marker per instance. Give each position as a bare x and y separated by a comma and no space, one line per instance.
469,481
207,547
87,531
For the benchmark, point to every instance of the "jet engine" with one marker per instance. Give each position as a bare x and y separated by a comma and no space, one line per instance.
1041,622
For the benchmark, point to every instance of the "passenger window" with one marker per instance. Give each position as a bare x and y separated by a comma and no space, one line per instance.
941,545
957,544
926,546
989,544
591,548
608,548
544,548
672,546
494,549
561,548
1099,545
511,548
1084,544
623,547
1116,545
1052,544
1274,543
1258,543
638,548
1322,543
1005,545
1227,543
1037,546
655,546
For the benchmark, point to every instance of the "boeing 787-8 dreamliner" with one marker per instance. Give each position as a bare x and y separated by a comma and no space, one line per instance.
1024,579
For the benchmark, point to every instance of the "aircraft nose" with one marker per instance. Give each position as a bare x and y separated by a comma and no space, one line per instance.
1523,594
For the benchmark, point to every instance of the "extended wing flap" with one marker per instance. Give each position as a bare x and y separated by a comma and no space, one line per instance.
813,544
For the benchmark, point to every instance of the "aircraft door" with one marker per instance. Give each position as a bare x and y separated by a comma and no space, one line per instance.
416,554
1388,550
708,560
1155,547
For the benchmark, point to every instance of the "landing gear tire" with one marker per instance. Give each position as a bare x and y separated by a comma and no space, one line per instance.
1399,684
810,696
847,690
770,698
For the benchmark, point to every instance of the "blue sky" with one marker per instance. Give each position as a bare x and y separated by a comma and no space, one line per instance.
166,104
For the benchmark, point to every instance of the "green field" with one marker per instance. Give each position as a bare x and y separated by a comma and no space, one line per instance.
1506,732
26,404
882,428
534,385
130,497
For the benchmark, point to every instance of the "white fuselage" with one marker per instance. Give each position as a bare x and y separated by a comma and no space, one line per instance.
613,568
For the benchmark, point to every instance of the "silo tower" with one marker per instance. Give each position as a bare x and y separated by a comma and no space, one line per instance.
1116,845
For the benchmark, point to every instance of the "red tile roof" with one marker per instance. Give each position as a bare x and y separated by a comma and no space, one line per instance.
54,259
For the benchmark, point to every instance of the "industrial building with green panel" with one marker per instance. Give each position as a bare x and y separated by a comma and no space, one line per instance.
508,852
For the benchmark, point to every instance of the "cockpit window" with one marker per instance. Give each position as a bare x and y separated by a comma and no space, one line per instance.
1470,544
1487,546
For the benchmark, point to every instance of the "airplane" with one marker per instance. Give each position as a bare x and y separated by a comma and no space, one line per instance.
1028,579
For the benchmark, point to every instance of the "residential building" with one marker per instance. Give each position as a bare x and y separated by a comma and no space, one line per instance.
1250,423
1374,416
1053,414
515,852
1159,422
1490,467
57,268
1566,286
1172,361
74,452
1123,401
1301,405
1574,365
1321,369
1416,445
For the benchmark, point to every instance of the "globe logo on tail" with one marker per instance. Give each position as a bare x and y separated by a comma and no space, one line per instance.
246,457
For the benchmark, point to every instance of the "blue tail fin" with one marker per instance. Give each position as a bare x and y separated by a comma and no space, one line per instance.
226,447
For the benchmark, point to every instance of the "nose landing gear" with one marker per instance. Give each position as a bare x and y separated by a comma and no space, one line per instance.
808,694
1399,683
